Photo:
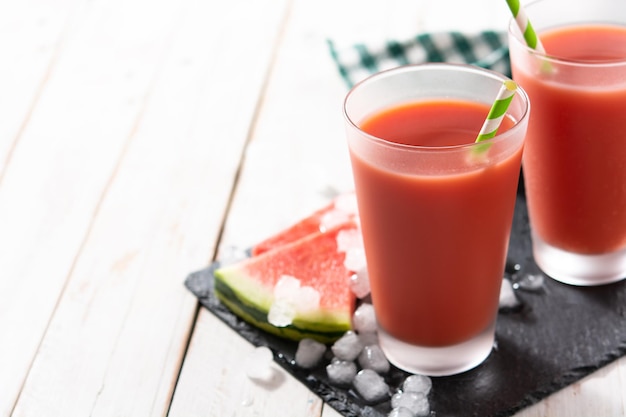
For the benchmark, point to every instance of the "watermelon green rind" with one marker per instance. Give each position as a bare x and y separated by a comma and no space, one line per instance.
231,284
254,295
240,287
258,318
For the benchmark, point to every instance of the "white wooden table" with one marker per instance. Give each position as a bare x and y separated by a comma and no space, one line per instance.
137,137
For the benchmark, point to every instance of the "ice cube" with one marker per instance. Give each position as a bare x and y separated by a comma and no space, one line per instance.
349,239
281,314
372,357
369,338
416,402
530,282
287,288
289,299
507,296
368,411
423,408
400,412
348,347
307,299
341,372
417,383
364,319
258,364
333,218
355,259
371,386
309,353
360,283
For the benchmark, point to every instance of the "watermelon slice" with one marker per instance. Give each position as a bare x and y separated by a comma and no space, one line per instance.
340,210
247,288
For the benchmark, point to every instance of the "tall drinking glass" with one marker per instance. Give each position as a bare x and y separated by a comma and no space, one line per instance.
575,156
435,208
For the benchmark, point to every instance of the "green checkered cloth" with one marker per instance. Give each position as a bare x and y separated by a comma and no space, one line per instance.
487,49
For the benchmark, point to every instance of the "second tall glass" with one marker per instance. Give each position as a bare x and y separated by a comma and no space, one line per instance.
575,156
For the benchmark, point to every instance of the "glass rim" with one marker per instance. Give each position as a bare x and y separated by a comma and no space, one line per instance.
447,66
515,33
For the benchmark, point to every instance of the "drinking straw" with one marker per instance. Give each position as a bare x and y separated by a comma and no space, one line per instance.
497,111
524,25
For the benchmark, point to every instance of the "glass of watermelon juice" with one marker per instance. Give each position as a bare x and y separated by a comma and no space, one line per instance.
575,157
435,208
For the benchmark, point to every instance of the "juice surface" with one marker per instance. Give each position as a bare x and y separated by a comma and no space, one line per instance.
593,43
575,157
435,244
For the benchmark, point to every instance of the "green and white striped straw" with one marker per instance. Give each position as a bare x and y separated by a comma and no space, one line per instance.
524,25
497,111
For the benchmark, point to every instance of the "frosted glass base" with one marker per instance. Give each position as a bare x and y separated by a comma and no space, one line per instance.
577,269
438,361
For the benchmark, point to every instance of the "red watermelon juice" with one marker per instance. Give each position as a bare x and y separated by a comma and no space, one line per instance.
436,218
575,156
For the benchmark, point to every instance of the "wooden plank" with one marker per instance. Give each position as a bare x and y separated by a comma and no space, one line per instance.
31,35
298,158
160,103
296,161
68,146
214,381
602,393
281,158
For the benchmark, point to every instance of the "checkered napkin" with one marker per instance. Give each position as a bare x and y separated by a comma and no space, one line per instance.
487,49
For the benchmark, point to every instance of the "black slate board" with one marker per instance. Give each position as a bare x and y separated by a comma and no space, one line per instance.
559,335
